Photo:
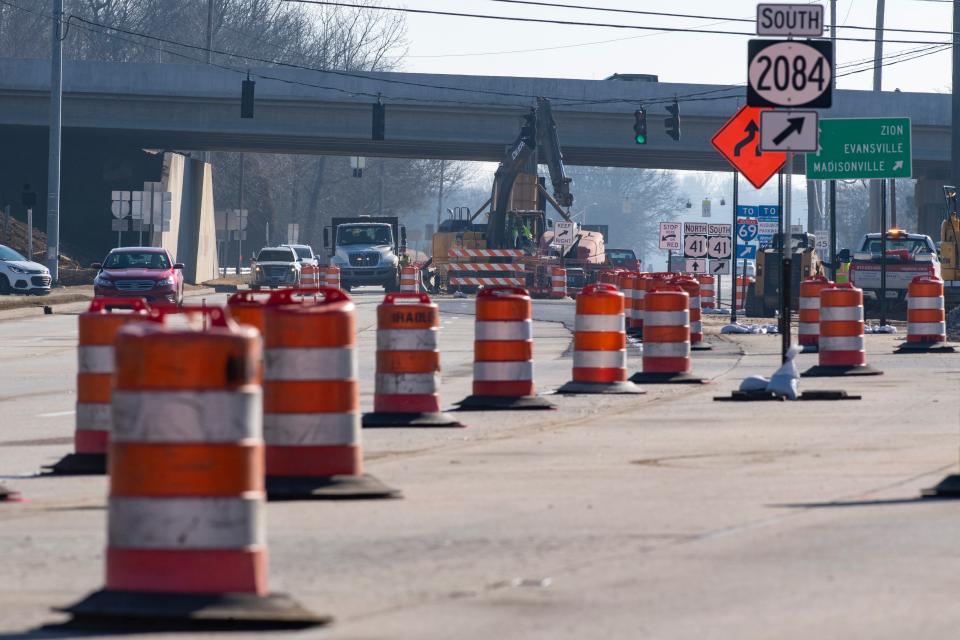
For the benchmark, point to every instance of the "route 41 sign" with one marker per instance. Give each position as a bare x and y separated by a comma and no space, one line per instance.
790,73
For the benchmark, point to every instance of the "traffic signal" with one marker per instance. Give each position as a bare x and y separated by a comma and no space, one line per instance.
640,126
246,98
379,120
672,124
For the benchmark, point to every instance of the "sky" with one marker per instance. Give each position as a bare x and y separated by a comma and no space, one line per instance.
440,44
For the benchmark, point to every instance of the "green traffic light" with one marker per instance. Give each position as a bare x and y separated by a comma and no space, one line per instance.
641,139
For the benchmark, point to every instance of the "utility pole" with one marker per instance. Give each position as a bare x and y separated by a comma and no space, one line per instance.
443,167
955,99
240,221
833,183
56,120
877,86
209,59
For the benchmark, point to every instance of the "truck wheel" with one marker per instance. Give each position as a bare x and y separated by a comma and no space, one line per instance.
392,286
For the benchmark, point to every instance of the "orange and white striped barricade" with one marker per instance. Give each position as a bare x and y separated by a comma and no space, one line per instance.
186,541
98,326
409,279
331,277
692,286
310,276
599,343
408,364
666,338
841,349
708,292
743,283
558,283
926,317
311,403
503,352
808,328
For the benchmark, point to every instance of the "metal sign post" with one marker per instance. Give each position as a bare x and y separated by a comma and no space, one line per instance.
733,266
786,271
883,252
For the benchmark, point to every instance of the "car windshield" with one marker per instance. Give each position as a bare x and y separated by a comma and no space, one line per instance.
620,255
275,255
302,252
6,253
367,234
136,260
913,246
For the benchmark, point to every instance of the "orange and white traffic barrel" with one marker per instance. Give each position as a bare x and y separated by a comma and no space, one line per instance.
331,277
558,283
708,293
186,513
692,286
743,283
842,347
311,402
98,327
409,277
808,329
503,352
644,283
599,343
248,307
666,337
310,276
406,392
926,317
627,283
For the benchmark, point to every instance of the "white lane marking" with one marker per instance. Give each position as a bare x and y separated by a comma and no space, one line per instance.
56,414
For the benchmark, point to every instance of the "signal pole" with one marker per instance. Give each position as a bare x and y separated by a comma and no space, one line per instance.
955,99
53,161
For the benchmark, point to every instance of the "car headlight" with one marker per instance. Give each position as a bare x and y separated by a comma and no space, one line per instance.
100,281
166,282
17,269
258,268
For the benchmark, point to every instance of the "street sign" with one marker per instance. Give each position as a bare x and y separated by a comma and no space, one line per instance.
695,246
738,141
719,247
768,220
746,252
695,265
823,242
705,207
720,267
293,233
564,233
790,73
719,230
862,149
119,225
747,230
788,131
696,228
790,20
670,235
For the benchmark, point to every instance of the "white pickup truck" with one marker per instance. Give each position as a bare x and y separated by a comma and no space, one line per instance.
908,255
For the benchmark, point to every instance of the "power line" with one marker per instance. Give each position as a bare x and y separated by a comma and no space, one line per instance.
575,23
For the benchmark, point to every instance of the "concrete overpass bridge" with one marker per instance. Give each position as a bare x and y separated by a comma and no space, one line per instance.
112,110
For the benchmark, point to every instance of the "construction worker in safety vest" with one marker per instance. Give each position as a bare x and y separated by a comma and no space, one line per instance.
842,270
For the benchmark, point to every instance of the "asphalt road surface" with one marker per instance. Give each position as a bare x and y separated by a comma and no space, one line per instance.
666,515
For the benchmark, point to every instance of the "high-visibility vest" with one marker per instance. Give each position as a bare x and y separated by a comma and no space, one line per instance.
843,273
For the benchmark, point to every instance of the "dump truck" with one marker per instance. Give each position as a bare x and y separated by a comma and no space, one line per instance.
367,250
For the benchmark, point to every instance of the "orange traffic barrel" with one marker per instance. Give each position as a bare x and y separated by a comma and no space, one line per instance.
98,327
808,329
627,282
409,279
558,283
408,364
666,337
311,402
599,343
310,276
692,286
248,307
841,347
644,282
743,283
708,292
926,317
503,352
331,277
186,542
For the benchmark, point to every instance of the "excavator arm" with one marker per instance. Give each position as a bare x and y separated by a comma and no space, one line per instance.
516,158
549,153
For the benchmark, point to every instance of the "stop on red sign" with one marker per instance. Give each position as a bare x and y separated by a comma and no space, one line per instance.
739,142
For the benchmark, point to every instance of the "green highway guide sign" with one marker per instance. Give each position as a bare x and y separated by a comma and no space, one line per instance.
862,149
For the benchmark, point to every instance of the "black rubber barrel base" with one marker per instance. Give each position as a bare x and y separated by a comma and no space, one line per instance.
362,487
504,403
926,347
79,464
834,371
701,346
387,420
606,388
763,395
665,378
123,610
949,487
809,348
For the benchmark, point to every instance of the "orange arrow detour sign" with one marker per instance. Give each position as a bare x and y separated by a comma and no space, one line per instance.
739,142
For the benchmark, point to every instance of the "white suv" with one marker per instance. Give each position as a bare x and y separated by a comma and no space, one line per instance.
19,275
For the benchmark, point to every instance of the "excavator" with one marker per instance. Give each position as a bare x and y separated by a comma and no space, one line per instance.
950,249
517,217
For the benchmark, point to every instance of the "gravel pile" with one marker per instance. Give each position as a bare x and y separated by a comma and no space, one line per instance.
953,324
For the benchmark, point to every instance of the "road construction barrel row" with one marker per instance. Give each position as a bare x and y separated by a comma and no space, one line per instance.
926,316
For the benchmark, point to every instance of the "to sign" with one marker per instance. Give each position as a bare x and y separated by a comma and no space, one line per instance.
797,20
719,267
790,73
788,131
738,141
670,236
862,149
695,246
695,265
719,247
565,233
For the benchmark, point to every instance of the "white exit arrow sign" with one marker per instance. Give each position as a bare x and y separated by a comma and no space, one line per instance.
802,20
